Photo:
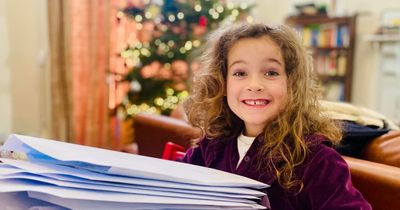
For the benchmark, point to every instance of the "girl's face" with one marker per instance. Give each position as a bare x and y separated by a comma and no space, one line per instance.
256,86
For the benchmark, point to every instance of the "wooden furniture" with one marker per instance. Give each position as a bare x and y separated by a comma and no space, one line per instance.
331,42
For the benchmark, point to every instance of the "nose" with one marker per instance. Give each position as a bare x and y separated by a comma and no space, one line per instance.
255,85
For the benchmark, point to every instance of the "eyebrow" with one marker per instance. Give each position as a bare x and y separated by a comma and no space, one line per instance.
273,60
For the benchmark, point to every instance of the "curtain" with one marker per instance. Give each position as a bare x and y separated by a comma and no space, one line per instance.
79,48
61,98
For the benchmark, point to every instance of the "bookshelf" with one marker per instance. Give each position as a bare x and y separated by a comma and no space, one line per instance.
331,42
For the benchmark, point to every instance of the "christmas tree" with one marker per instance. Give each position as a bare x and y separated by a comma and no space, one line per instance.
170,35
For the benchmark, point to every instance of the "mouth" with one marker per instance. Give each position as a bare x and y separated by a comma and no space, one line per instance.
256,102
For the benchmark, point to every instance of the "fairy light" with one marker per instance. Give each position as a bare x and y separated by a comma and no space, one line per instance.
138,18
162,46
235,12
174,99
136,53
139,26
230,5
197,7
188,45
243,5
182,50
182,95
215,15
159,101
145,52
171,43
169,91
125,54
211,11
157,42
170,54
180,15
249,19
220,9
167,65
148,15
171,18
163,28
130,63
196,43
120,14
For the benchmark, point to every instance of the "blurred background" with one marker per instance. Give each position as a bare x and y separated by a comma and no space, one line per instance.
78,71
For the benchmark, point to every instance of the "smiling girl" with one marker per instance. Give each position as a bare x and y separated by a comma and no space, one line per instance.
256,101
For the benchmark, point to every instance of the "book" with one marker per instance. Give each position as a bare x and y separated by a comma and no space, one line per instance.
51,174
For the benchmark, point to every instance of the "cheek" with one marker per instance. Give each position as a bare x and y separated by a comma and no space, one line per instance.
281,92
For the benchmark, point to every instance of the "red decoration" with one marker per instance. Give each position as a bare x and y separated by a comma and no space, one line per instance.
203,21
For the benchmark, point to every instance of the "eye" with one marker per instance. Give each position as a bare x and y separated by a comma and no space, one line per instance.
271,73
239,74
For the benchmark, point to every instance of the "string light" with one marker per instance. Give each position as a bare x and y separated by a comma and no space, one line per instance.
182,50
243,5
230,5
197,7
235,12
171,43
249,19
171,18
188,45
138,18
169,91
148,15
220,9
211,11
215,15
159,101
167,65
180,15
120,14
162,46
136,53
196,43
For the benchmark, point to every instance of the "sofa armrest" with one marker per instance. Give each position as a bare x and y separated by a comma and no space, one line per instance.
384,149
152,132
378,183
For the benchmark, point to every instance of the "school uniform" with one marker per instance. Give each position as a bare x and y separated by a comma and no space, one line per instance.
325,175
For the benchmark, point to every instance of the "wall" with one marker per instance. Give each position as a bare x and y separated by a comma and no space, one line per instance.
23,84
5,95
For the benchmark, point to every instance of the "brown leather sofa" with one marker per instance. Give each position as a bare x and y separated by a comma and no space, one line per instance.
376,175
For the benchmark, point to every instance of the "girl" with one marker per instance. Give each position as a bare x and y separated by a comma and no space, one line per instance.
255,100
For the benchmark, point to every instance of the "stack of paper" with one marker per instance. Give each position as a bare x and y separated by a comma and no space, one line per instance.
58,175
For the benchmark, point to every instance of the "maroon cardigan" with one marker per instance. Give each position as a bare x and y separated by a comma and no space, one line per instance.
325,175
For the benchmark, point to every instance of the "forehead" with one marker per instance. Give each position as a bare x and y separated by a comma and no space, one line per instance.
259,47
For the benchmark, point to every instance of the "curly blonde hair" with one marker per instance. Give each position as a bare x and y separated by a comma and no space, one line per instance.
283,147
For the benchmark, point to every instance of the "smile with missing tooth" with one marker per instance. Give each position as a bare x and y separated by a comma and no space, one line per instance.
257,102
